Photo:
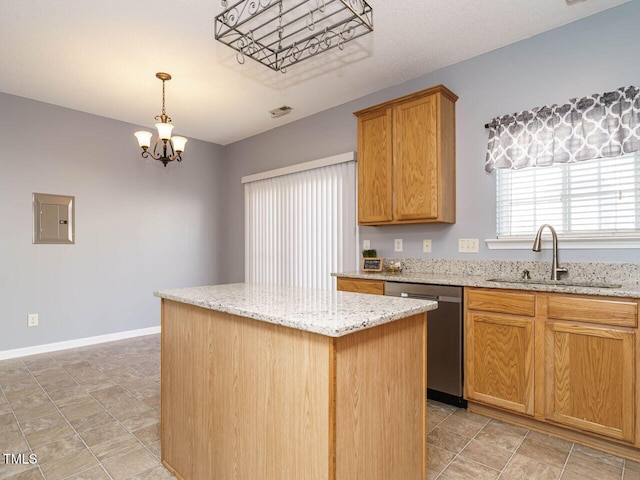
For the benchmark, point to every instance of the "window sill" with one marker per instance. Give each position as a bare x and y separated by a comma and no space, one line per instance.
565,243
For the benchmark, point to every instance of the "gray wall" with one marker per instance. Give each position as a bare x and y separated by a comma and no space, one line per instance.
593,55
139,226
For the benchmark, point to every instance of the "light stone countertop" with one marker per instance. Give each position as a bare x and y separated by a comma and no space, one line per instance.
327,312
466,280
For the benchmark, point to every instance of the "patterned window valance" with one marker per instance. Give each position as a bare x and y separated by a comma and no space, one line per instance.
597,126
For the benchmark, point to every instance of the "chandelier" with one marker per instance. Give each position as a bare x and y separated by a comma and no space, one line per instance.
167,148
280,33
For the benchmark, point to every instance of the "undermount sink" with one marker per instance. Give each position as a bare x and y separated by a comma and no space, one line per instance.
565,283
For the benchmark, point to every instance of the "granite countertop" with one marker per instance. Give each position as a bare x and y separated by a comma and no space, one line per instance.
467,280
327,312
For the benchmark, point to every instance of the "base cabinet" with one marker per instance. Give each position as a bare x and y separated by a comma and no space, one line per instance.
563,360
499,349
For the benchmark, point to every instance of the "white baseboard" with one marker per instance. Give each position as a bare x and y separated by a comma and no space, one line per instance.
80,342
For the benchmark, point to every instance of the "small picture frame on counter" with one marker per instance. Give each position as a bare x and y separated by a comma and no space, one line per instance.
371,264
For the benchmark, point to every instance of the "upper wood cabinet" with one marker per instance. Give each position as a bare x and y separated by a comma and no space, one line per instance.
406,160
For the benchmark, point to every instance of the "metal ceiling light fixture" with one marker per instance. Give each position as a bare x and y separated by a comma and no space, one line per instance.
171,148
280,33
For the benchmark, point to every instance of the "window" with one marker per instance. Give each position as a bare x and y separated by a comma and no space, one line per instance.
574,166
586,199
300,223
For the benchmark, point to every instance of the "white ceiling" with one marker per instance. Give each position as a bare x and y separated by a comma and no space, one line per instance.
101,57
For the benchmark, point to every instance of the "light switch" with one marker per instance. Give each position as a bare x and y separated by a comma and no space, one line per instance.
398,244
468,245
366,244
426,245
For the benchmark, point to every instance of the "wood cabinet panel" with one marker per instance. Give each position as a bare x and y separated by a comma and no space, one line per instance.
593,310
499,365
237,358
375,167
500,301
591,378
357,285
386,433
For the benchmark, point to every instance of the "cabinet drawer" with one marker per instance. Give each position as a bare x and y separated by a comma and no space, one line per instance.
592,310
501,302
375,287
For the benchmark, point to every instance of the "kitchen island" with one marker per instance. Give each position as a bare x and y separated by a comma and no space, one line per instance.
273,382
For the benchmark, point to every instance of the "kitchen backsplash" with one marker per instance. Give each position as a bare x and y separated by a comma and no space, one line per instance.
627,273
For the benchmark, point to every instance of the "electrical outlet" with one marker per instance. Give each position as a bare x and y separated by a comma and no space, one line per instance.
32,320
397,245
468,245
426,245
366,244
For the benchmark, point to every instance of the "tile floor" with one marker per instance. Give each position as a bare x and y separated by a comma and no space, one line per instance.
93,413
465,446
89,413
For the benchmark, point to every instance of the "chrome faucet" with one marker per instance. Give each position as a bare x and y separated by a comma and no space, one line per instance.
537,246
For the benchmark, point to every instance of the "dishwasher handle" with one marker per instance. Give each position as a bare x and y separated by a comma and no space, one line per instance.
436,298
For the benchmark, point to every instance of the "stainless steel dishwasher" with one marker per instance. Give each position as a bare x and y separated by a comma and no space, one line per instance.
444,338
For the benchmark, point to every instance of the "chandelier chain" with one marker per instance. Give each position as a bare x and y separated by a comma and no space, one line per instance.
163,110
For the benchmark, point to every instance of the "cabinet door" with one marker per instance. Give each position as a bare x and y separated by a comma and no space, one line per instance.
499,360
375,168
590,378
417,157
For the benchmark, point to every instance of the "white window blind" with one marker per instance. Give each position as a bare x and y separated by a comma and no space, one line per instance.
587,199
300,227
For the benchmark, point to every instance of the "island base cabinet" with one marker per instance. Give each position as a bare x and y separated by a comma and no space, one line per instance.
591,378
245,399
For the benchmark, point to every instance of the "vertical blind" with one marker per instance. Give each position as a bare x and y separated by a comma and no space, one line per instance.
300,227
590,198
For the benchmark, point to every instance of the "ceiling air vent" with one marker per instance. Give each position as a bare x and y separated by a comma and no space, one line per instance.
279,112
571,2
